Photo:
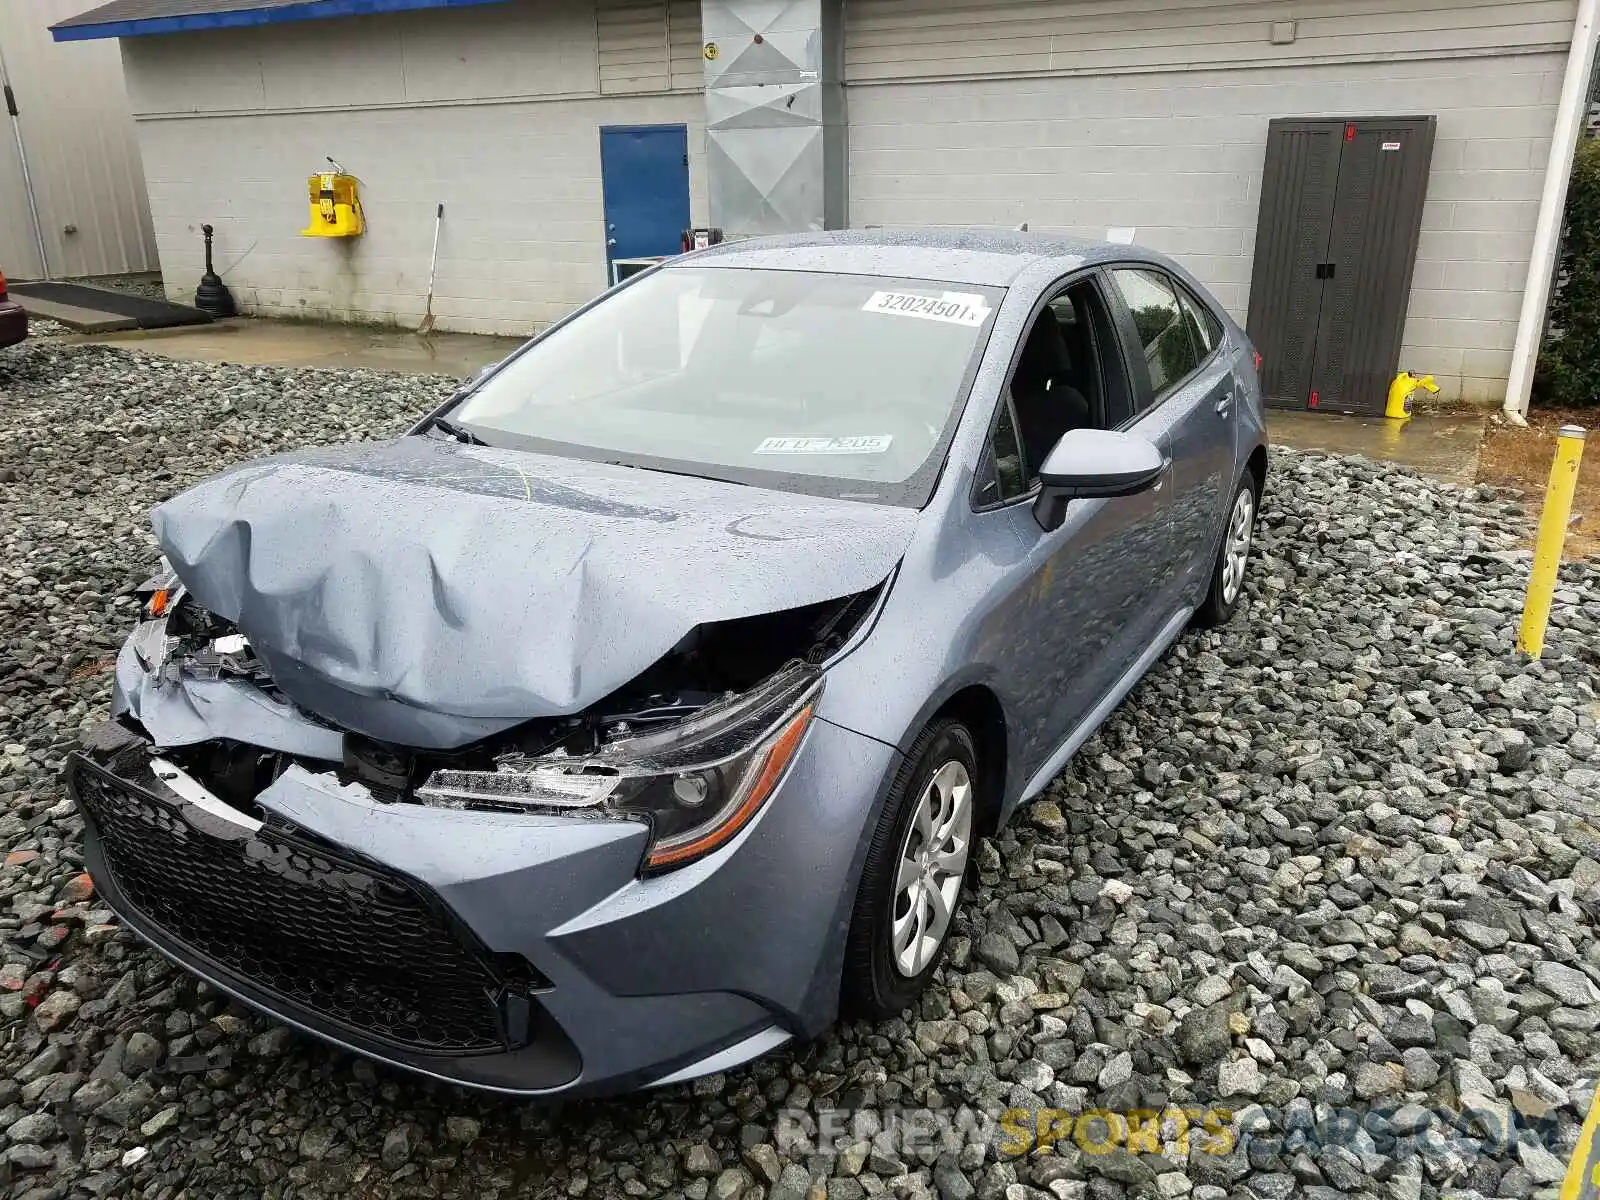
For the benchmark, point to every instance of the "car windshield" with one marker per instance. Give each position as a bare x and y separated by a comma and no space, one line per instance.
837,385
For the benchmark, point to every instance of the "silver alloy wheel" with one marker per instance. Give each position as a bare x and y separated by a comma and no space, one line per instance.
933,860
1236,550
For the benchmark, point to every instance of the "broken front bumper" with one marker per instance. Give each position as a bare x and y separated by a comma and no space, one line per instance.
516,952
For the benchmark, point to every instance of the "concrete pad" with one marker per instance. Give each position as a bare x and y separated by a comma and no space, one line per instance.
254,341
84,320
1445,446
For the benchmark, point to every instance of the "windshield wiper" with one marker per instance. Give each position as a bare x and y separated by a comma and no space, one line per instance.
617,462
459,432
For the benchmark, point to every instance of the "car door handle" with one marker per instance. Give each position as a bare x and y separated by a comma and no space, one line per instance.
1225,403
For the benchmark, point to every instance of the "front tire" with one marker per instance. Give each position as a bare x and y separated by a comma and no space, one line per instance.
1233,559
911,882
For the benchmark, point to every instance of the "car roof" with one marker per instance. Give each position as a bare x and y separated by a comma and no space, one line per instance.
985,257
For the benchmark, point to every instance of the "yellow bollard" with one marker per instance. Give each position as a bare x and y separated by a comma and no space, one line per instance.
1552,534
1583,1168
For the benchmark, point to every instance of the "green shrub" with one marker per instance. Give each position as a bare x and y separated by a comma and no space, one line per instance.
1569,365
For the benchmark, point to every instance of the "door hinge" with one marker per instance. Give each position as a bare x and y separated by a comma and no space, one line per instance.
11,102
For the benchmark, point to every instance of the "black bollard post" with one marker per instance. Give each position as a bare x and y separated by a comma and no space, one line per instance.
213,296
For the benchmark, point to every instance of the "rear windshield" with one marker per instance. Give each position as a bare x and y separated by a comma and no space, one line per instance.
839,385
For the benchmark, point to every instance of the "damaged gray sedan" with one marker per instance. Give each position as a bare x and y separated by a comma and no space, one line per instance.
637,712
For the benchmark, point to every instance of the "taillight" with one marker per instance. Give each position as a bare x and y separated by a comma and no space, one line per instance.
2,285
1259,360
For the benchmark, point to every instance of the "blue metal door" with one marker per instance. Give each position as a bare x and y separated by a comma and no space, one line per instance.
644,177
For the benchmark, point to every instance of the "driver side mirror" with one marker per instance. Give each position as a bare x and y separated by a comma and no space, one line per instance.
1095,464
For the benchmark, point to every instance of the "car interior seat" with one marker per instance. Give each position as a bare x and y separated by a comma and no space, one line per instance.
1080,354
1047,403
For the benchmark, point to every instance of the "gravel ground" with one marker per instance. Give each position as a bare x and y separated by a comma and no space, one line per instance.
1337,859
141,283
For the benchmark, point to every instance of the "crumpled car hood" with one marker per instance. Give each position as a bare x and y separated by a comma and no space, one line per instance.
431,593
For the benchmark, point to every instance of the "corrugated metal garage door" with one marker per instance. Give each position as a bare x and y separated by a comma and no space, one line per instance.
1081,115
87,177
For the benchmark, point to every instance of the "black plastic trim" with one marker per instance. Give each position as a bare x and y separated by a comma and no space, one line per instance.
550,1060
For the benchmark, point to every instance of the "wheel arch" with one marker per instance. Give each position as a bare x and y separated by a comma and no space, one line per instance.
1256,465
978,708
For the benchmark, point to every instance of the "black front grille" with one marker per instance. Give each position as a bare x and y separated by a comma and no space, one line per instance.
341,937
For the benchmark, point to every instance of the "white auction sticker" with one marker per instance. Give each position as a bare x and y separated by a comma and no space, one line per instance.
875,443
953,308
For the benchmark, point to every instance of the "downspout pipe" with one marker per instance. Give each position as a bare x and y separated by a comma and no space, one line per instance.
1570,115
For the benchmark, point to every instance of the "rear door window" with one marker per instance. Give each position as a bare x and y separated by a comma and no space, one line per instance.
1163,330
1203,324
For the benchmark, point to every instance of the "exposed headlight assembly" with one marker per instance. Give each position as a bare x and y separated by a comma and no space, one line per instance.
160,593
697,784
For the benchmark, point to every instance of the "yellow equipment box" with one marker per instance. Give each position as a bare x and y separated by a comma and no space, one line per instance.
335,206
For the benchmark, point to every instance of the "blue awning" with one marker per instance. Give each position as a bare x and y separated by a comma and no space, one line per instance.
134,18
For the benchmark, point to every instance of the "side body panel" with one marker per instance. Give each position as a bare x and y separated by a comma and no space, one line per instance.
1199,422
961,612
1076,610
1203,456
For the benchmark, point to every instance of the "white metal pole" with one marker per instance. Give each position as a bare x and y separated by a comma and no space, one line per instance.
1574,106
22,158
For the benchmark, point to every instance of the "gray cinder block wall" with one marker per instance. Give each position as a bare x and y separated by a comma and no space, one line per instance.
1077,117
493,110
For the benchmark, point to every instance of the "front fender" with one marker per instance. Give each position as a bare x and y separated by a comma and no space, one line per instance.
941,629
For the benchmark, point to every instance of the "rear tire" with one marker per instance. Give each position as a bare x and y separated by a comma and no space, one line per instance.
1233,557
912,879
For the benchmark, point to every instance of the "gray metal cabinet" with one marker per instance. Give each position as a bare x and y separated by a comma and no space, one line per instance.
1336,245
